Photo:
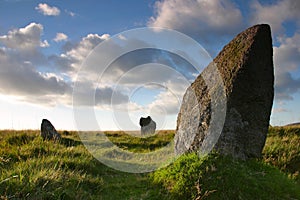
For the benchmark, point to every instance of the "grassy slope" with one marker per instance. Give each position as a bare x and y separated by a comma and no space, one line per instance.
282,150
35,169
219,177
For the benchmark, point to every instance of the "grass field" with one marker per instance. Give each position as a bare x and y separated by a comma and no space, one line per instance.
276,176
31,168
282,150
35,169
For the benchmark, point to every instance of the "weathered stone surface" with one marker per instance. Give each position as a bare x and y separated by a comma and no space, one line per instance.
245,66
148,126
48,132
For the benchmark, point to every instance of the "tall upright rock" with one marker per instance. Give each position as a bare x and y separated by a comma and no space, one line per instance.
245,67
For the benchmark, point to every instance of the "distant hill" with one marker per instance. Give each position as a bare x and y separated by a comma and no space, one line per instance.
294,124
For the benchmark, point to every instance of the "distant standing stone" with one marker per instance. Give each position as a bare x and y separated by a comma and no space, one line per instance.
48,132
246,68
148,126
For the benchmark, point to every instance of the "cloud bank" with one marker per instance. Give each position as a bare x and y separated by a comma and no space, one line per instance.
33,76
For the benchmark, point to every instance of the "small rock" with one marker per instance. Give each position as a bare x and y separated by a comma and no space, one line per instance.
66,133
148,126
48,132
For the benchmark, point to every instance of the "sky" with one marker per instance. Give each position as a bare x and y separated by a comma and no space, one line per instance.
45,44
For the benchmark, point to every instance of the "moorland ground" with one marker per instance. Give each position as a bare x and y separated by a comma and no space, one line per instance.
31,168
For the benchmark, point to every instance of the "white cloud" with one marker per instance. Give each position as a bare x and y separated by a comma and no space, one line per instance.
20,78
169,100
86,44
197,17
151,65
20,59
72,14
45,9
53,82
210,21
128,107
70,60
44,44
122,37
166,103
287,61
87,94
276,13
25,39
128,72
280,110
287,54
60,37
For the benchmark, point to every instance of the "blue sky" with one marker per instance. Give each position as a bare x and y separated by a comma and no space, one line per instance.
44,43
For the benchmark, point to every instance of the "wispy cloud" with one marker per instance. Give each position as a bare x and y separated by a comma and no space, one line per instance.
26,39
72,14
20,58
60,37
280,110
47,10
275,14
203,20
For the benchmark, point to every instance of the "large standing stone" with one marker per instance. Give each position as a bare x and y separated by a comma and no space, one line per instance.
148,126
245,66
48,132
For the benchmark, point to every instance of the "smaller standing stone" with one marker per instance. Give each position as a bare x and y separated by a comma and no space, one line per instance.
148,126
48,132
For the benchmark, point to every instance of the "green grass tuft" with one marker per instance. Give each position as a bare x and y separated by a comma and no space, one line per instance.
31,168
282,150
221,177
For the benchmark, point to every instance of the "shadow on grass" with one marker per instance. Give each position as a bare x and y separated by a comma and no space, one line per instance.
68,142
20,139
140,144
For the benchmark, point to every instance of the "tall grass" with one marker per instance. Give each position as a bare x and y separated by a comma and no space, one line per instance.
220,177
282,150
276,176
31,168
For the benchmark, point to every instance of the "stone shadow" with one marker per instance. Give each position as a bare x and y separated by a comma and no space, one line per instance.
68,142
